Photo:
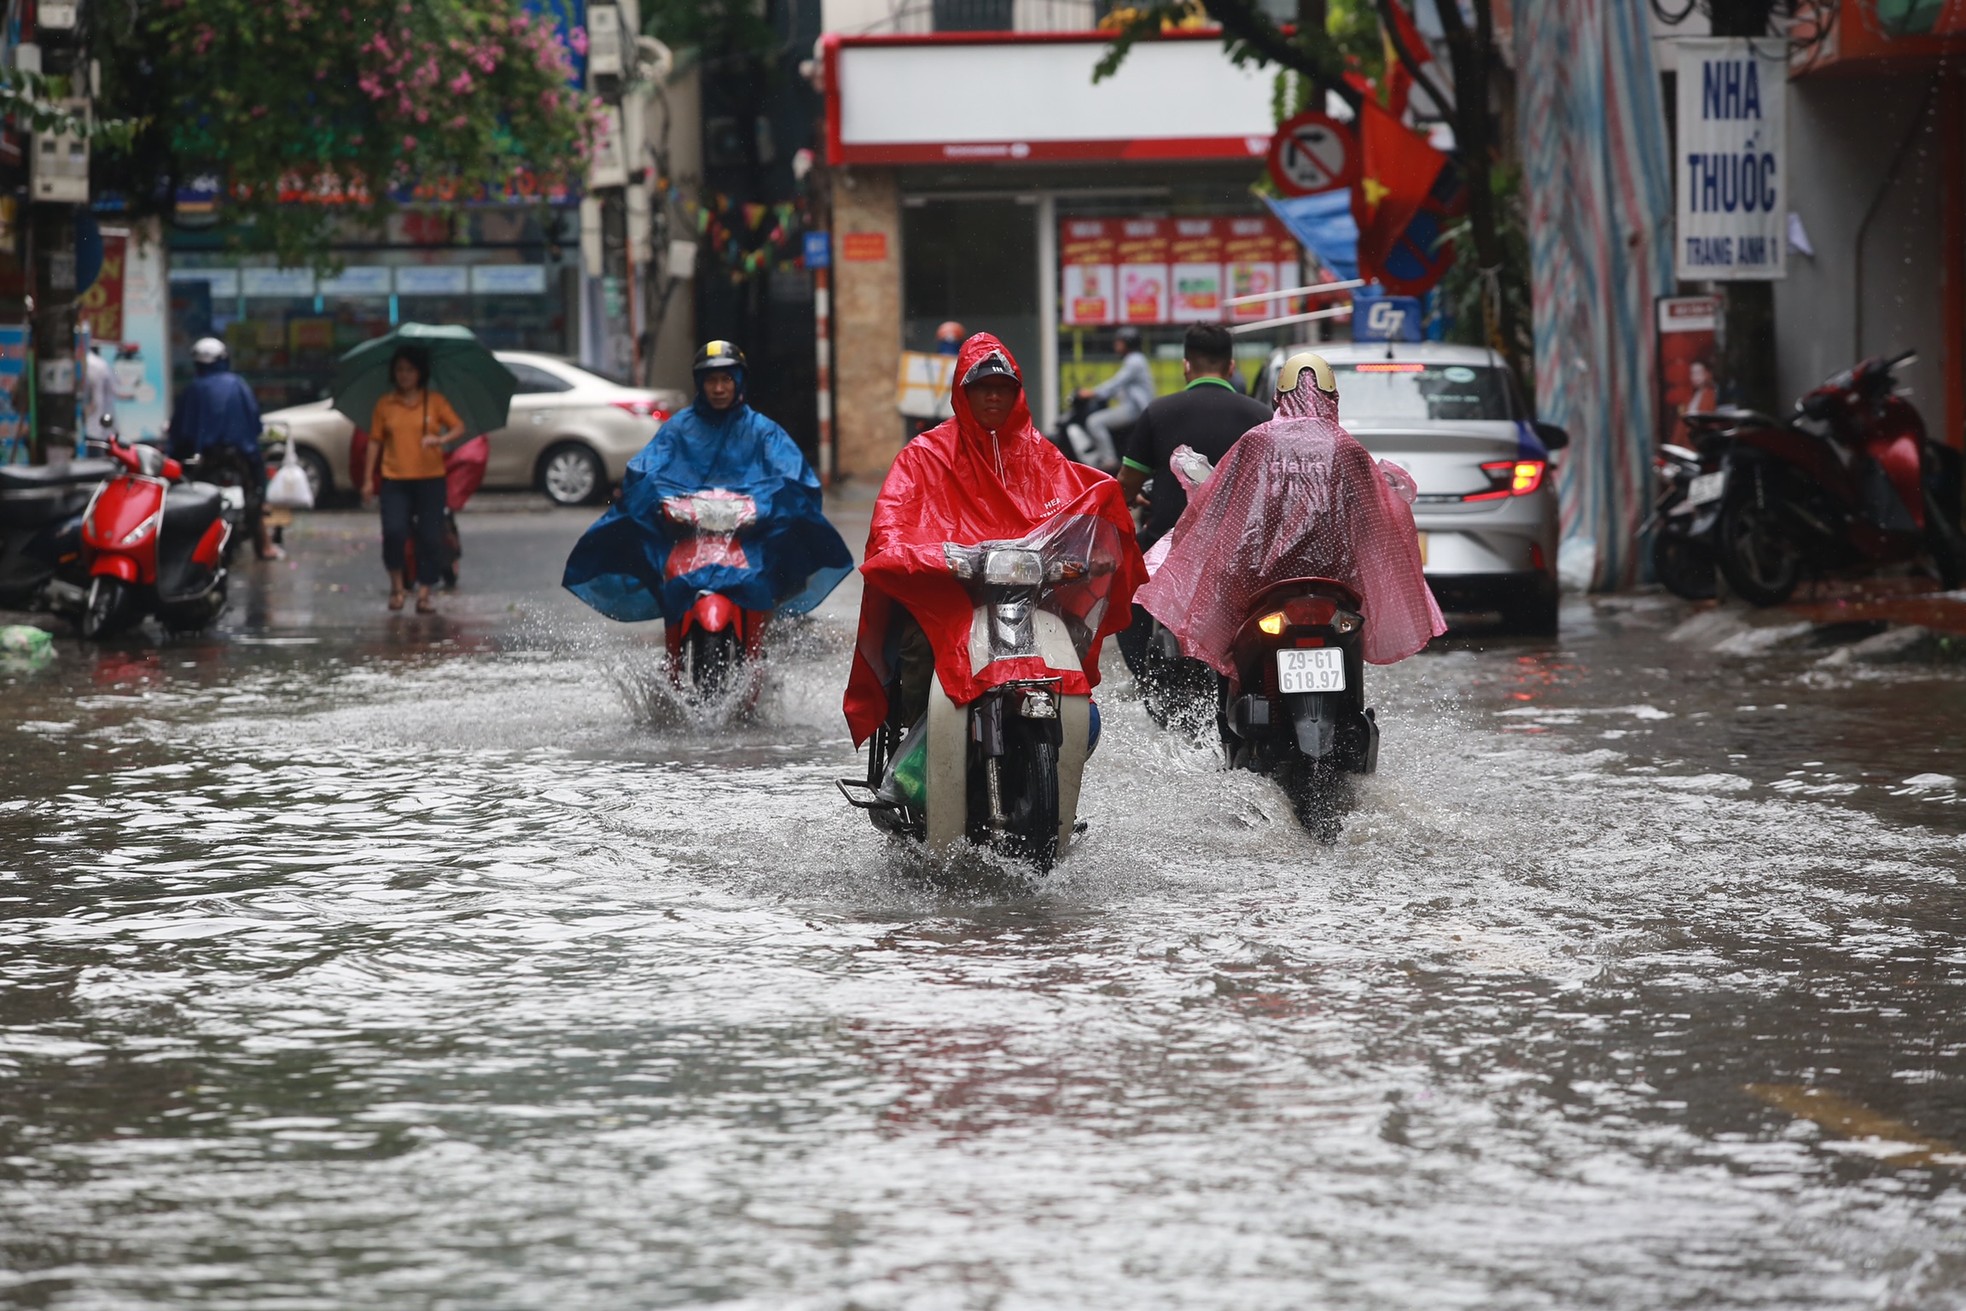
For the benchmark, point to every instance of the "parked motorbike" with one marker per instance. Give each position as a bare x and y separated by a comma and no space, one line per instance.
1073,436
41,507
1004,770
154,542
1852,482
718,641
1681,526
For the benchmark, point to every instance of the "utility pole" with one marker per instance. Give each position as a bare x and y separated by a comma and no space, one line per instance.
1748,335
58,188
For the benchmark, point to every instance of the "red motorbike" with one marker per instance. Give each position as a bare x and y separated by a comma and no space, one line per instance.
1852,483
155,543
718,637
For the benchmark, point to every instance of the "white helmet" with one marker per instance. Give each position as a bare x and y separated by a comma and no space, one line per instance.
207,350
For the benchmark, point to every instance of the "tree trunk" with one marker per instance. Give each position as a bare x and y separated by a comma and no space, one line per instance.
1469,52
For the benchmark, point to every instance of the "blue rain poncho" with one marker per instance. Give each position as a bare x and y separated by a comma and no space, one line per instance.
791,558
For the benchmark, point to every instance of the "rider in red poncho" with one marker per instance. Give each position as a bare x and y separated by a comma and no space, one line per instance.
966,482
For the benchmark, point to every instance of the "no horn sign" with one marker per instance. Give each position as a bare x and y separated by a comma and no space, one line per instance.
1313,152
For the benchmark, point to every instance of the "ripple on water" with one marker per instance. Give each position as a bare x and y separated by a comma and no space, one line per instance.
463,984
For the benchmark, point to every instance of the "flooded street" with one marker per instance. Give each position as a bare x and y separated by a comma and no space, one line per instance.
360,960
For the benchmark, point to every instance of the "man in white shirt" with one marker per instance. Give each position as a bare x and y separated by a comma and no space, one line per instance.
98,398
1131,390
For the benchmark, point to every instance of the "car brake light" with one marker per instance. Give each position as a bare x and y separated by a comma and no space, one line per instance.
1510,478
642,409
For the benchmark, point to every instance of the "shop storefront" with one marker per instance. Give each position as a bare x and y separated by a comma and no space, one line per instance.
510,274
1051,218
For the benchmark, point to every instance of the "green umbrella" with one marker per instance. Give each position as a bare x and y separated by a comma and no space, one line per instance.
468,375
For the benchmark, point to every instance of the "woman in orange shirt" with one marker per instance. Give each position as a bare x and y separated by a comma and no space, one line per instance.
411,429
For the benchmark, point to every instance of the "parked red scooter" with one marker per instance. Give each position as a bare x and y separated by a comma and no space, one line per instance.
1852,483
154,543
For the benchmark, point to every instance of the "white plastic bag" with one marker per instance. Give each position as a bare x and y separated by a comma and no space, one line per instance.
289,488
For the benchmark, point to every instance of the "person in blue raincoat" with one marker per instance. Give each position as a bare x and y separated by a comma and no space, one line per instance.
216,417
789,557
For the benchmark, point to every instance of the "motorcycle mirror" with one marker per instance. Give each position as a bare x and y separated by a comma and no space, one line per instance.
1553,436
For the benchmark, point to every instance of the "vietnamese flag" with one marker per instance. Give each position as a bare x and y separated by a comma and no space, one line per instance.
1399,168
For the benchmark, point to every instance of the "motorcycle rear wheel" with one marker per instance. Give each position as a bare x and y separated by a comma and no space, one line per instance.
109,609
1684,567
1756,557
1944,540
1320,793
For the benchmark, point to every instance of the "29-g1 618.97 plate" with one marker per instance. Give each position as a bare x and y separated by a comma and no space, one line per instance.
1318,669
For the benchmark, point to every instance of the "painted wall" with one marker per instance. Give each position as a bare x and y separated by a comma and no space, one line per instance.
1845,136
866,323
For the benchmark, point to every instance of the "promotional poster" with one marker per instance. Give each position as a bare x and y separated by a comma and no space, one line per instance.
1689,359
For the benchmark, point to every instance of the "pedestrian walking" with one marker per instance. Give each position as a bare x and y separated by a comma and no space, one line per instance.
411,429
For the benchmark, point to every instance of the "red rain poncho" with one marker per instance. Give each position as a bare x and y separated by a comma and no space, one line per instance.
1296,497
958,482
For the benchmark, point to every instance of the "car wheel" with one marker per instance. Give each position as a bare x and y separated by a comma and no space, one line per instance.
319,476
571,474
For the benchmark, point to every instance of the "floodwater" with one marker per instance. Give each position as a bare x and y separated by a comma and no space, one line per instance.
355,960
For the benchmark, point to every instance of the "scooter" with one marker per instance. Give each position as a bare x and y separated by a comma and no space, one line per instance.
1004,770
154,543
1295,707
1852,482
717,640
1073,436
1685,511
41,508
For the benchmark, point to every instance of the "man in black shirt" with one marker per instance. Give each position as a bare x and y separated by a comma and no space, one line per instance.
1209,416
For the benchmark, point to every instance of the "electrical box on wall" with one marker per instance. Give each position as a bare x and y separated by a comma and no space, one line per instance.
58,16
59,168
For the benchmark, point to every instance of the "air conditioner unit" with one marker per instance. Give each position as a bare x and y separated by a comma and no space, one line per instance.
603,42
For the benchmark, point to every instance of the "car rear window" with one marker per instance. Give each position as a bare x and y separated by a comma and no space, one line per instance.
1405,391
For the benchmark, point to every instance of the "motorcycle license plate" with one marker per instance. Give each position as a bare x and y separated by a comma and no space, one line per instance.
1707,487
1318,669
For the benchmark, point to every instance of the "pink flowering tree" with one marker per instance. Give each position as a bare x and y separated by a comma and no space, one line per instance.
312,111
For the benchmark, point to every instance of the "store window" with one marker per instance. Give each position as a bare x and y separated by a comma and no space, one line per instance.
974,261
1160,273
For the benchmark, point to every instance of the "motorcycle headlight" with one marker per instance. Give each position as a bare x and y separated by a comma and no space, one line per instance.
1013,567
137,533
715,515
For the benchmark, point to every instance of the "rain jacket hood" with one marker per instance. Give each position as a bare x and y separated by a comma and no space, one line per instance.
960,482
791,557
1296,497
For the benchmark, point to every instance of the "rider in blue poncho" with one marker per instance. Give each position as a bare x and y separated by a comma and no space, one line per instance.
787,558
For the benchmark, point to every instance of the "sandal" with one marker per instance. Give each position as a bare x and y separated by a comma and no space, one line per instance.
396,600
425,606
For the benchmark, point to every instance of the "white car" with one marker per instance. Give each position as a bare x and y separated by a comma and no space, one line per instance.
570,432
1487,511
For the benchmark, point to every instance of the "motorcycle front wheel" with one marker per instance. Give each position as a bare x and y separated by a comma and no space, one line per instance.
1684,567
1756,555
1028,775
713,658
110,608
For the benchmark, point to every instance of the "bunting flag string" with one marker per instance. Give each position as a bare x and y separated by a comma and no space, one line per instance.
748,239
